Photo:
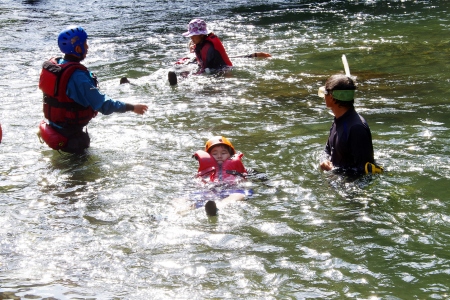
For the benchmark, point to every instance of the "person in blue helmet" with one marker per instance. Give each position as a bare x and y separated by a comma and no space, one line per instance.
72,96
349,147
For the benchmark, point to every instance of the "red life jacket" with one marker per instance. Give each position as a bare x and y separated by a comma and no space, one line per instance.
217,44
231,170
51,137
58,107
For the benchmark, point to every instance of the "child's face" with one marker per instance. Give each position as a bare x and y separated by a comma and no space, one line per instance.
220,153
197,39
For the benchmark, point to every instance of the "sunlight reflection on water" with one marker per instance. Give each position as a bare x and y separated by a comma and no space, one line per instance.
106,224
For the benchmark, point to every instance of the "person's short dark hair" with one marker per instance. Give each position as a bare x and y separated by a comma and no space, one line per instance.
211,208
344,103
340,82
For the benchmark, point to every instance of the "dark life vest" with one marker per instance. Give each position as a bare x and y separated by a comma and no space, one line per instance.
58,107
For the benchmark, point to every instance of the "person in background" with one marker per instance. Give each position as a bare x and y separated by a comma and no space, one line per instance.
208,49
349,147
72,97
210,53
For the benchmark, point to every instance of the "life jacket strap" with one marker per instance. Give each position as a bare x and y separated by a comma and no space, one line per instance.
235,173
53,102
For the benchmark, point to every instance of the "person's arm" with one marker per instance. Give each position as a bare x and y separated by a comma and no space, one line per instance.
81,88
325,162
234,197
256,54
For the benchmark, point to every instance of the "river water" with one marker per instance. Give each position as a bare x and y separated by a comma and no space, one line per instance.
107,225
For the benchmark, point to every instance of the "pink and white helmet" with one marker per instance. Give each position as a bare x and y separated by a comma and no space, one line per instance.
196,27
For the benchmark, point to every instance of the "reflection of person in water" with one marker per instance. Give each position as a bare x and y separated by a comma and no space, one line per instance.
349,147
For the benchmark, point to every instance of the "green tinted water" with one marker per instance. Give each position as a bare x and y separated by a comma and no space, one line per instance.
105,226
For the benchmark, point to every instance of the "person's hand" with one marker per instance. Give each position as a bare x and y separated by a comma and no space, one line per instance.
191,46
140,109
326,165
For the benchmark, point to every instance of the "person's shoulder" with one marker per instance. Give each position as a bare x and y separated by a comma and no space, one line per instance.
208,43
359,128
355,116
80,76
361,120
353,120
81,73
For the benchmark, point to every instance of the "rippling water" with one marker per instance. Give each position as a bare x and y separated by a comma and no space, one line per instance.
107,225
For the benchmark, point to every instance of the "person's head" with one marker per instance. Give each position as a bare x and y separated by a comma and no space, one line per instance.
73,41
220,148
197,31
341,88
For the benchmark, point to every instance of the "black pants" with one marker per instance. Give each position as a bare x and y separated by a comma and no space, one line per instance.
78,140
78,143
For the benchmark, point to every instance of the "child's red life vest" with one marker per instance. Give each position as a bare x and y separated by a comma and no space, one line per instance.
230,170
58,107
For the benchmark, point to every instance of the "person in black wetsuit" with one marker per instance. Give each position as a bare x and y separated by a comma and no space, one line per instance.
349,147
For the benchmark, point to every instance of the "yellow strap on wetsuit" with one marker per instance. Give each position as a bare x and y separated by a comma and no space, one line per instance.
370,168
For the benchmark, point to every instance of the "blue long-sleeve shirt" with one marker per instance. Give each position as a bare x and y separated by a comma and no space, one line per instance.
82,89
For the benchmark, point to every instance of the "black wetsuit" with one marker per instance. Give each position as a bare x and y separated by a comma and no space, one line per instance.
349,144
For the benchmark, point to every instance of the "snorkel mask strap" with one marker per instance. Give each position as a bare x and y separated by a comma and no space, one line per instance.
343,95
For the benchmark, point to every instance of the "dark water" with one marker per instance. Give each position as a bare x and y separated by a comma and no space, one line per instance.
107,225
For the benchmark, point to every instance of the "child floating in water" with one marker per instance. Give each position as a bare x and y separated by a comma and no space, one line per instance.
220,164
223,175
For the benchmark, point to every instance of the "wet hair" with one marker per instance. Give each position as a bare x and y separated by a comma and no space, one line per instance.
340,82
211,208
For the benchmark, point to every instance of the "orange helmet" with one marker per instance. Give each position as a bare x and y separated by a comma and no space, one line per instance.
219,140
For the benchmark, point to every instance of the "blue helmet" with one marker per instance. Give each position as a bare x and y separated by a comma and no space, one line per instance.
70,38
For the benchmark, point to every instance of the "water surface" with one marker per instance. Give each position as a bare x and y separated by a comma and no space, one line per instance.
106,226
